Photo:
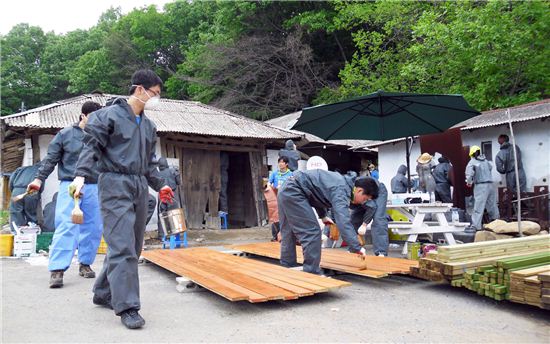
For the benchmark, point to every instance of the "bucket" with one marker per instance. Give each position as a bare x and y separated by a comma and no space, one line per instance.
43,241
6,245
173,222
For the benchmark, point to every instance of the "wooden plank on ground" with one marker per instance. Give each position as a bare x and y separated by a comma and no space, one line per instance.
238,278
339,260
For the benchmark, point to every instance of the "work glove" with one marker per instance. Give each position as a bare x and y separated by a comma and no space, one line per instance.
75,188
362,252
166,195
327,221
362,230
34,186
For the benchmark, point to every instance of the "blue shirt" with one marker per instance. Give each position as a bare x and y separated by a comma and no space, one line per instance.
277,178
375,174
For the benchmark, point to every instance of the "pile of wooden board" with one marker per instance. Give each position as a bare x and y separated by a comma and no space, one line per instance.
504,279
338,260
238,278
544,279
525,286
451,262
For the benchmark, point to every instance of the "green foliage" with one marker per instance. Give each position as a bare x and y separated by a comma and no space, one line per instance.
494,53
266,58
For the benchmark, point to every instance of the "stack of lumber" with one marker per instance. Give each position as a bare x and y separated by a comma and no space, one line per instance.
338,260
451,262
544,279
238,278
525,286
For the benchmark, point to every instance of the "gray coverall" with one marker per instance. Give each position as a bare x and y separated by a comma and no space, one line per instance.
374,210
427,182
24,211
173,180
125,151
442,182
224,180
292,155
399,182
49,215
505,164
302,191
478,173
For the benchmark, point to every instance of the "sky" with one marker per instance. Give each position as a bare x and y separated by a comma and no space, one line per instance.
62,16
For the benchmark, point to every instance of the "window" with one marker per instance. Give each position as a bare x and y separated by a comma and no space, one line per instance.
487,149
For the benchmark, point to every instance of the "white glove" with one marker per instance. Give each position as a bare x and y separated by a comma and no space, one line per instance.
327,221
75,188
362,230
362,252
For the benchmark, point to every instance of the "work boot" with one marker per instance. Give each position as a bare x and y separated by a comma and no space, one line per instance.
86,271
102,302
131,319
56,279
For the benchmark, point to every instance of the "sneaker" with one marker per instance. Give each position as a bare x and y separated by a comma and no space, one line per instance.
102,302
131,319
56,279
86,271
381,254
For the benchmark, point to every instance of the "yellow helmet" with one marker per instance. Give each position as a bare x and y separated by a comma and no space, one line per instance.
474,149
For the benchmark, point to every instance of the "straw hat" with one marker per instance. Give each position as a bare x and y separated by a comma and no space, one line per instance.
424,158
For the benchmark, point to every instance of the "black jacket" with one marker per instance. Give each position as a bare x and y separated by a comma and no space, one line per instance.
64,151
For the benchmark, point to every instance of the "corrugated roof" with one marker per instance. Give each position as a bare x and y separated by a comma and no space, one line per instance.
175,116
287,121
521,113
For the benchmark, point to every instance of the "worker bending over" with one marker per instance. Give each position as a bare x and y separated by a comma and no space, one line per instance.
373,210
322,190
478,173
64,151
123,139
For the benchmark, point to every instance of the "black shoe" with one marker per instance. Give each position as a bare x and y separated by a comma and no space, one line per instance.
56,279
102,302
131,319
86,271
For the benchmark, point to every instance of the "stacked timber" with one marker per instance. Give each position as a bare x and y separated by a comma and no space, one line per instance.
544,279
525,286
450,263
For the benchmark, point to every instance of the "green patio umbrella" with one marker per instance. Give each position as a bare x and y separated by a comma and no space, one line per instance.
385,116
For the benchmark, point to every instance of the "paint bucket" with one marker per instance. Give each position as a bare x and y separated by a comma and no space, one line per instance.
173,222
6,245
413,250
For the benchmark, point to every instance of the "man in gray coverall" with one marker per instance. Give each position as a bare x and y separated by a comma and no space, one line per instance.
399,183
441,174
505,164
322,190
478,173
123,141
375,210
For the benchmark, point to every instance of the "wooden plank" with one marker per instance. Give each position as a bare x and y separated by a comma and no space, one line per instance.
211,282
339,260
237,278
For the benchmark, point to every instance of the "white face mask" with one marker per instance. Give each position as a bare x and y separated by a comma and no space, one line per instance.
152,103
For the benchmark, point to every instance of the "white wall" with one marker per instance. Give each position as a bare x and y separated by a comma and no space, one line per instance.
391,156
532,137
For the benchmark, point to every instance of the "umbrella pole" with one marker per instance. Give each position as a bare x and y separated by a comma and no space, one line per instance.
516,169
408,155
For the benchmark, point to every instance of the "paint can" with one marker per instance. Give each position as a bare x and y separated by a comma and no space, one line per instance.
173,222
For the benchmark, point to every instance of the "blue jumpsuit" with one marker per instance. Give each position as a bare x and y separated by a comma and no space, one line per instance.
302,191
63,151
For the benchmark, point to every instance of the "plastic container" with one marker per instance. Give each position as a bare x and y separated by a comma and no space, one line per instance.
43,241
24,245
454,216
102,249
6,245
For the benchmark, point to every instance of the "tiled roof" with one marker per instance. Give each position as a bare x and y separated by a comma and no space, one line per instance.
176,116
